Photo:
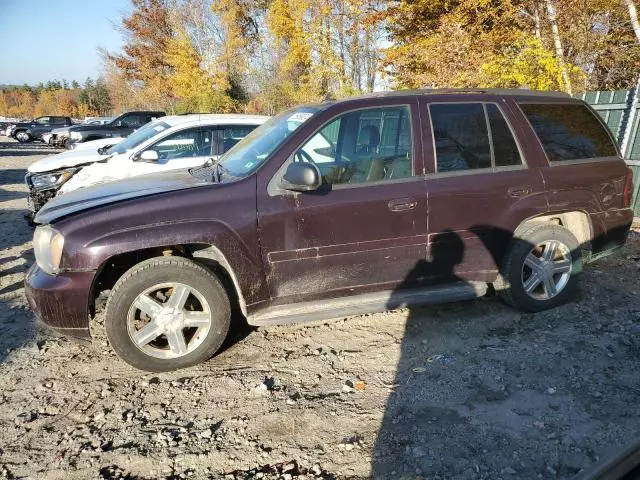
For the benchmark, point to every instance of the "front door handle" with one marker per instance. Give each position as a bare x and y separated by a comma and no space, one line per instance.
519,191
402,204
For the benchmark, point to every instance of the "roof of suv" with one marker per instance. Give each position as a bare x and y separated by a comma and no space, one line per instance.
443,92
214,119
487,91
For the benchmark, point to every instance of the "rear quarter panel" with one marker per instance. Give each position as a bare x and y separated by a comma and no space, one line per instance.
594,186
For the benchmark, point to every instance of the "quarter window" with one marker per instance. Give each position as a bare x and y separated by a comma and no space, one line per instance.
362,146
470,136
569,132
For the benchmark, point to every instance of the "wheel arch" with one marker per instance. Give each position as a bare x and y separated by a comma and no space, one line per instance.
577,221
208,256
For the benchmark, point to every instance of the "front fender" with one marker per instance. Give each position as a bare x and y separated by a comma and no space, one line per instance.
225,246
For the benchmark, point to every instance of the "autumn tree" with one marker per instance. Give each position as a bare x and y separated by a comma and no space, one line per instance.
144,61
239,32
469,43
197,89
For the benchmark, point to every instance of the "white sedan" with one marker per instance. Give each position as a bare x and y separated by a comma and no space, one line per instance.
167,143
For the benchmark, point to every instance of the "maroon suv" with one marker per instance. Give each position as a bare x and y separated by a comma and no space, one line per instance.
337,209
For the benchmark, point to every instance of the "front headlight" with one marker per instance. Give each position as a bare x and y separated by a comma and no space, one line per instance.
50,180
75,135
47,247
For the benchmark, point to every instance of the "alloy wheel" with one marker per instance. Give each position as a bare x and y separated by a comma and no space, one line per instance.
546,270
169,320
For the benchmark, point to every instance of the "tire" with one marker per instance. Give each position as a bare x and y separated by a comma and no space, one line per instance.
124,320
517,276
22,136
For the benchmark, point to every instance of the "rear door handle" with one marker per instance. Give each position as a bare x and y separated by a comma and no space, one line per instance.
402,204
519,191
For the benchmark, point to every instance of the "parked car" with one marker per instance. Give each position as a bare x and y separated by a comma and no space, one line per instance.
28,131
177,142
337,209
4,126
119,127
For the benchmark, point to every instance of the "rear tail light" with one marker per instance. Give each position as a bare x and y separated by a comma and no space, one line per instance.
628,189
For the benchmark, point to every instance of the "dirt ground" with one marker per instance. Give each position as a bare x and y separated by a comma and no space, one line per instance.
473,390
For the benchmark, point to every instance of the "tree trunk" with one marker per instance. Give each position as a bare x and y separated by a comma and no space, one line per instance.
557,41
371,61
536,21
633,15
341,43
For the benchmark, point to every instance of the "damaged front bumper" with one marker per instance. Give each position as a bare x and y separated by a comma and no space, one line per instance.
44,186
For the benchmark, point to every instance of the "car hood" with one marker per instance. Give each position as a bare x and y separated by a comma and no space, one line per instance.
112,192
70,158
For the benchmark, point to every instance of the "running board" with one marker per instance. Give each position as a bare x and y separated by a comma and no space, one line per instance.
365,303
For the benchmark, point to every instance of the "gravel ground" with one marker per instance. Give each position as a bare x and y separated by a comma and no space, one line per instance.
470,390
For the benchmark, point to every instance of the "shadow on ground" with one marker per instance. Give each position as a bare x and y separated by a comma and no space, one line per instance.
462,408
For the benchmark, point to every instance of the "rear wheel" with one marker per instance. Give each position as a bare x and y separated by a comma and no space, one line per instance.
542,268
167,313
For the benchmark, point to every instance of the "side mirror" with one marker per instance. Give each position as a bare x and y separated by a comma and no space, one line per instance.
301,177
150,156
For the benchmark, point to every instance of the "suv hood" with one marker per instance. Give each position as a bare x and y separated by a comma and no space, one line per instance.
112,192
70,158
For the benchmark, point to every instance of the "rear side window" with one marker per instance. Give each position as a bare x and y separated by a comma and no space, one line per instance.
471,136
569,132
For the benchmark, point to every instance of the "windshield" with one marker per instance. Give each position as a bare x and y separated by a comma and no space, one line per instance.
136,138
250,152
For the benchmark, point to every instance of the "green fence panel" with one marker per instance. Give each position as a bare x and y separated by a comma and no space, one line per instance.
620,110
635,203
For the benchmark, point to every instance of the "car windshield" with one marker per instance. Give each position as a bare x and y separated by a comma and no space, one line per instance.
250,152
136,138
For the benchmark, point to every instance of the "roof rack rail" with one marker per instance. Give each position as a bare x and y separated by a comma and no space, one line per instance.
451,91
497,91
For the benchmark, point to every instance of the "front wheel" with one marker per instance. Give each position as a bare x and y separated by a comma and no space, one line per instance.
167,313
541,269
23,137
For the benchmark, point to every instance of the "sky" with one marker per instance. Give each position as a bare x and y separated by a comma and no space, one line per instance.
43,40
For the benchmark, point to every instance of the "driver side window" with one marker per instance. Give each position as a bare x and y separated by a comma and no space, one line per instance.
133,121
362,146
194,142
